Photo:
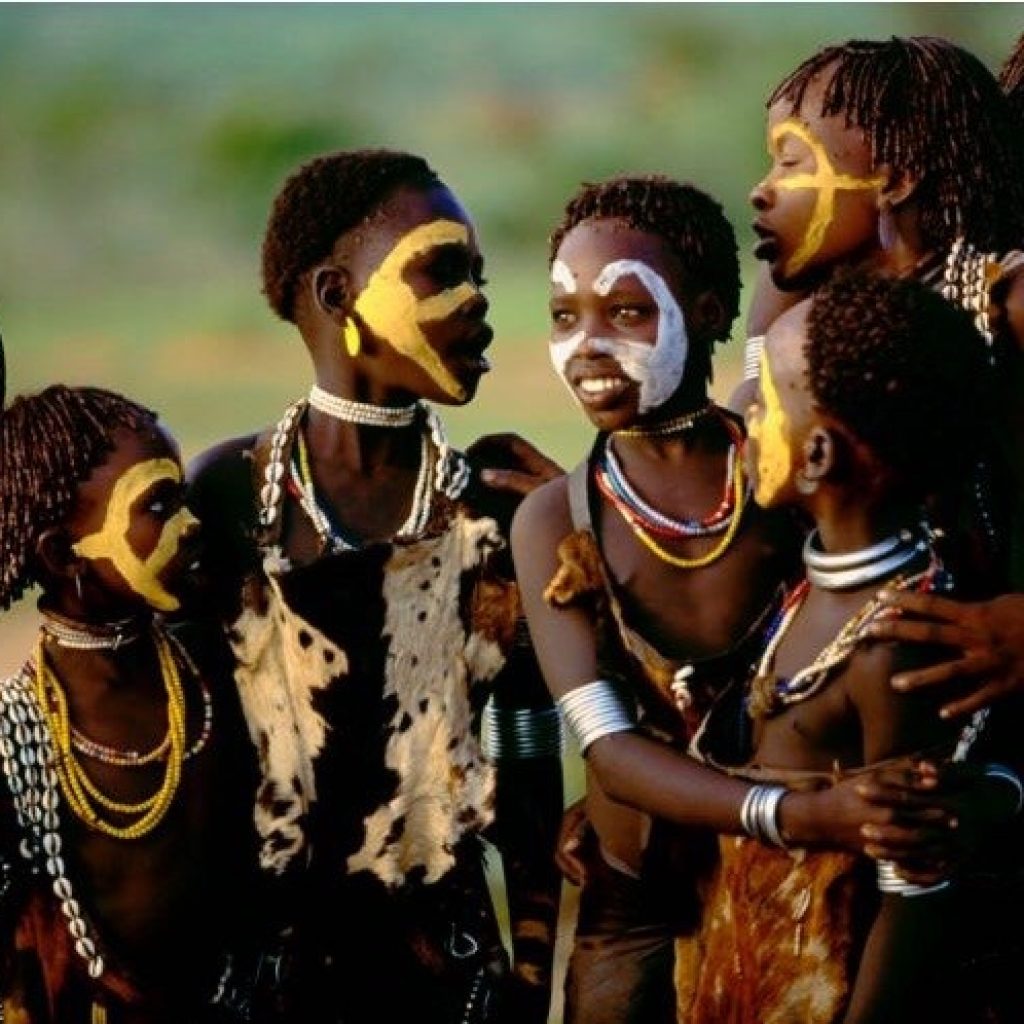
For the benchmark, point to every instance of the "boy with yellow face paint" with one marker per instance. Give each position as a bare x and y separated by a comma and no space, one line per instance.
863,397
375,622
902,156
125,865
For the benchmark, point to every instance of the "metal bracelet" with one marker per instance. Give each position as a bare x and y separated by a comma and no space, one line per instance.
890,881
509,734
759,814
1009,776
594,710
752,357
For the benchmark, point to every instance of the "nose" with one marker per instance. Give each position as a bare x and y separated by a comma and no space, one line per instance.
476,305
760,196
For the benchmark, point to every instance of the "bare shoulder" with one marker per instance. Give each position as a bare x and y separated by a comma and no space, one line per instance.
543,514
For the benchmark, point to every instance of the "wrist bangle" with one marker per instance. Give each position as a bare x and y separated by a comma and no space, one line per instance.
1011,778
759,814
752,357
594,710
510,734
890,881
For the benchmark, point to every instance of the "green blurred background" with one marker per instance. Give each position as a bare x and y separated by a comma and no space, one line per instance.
140,147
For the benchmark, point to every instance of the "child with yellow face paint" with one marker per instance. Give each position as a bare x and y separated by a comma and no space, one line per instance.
374,616
863,399
901,155
123,857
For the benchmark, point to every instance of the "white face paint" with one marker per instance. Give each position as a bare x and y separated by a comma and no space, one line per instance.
658,368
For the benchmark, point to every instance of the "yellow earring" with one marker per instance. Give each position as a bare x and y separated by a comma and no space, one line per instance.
350,333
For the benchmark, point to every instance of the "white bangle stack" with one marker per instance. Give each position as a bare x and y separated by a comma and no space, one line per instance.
594,710
891,882
510,734
752,357
759,814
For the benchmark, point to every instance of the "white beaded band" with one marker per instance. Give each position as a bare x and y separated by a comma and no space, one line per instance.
1011,778
889,881
752,357
759,814
361,412
594,710
512,734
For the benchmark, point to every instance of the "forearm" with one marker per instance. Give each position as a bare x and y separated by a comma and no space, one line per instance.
528,814
903,960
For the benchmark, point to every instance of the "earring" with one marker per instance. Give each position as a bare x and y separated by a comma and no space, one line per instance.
350,335
804,484
886,226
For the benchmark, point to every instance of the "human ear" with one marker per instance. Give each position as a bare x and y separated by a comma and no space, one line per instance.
820,454
55,557
897,186
708,316
331,289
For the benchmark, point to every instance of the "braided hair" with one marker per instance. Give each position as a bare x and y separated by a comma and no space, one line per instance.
323,200
49,444
1011,78
901,368
934,111
689,221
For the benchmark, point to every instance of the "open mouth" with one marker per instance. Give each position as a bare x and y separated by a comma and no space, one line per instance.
767,246
600,392
470,354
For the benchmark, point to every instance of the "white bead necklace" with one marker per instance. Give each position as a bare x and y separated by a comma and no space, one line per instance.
361,412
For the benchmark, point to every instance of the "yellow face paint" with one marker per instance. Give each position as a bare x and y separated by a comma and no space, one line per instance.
771,435
390,308
825,181
111,540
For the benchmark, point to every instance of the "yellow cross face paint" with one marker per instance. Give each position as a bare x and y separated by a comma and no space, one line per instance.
111,540
390,308
771,435
825,181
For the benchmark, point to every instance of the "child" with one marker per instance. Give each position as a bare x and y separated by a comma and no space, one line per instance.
677,584
123,855
372,613
865,397
900,156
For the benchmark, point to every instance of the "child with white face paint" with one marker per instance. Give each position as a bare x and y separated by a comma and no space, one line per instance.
123,850
647,565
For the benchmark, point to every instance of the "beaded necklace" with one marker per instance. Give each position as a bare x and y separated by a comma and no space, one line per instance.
676,425
646,522
80,636
133,758
288,464
86,800
364,413
770,694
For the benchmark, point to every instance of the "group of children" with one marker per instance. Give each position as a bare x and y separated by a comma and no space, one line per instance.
246,773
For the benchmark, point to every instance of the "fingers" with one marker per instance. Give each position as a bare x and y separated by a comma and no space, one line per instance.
930,605
983,697
971,666
570,865
901,843
919,631
511,480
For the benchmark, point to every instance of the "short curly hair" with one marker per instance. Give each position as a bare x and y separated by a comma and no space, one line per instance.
904,370
933,110
320,202
688,220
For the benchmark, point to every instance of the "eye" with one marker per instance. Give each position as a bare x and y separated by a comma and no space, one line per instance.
562,319
631,314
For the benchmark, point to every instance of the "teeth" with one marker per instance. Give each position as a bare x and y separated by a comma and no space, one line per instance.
599,385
